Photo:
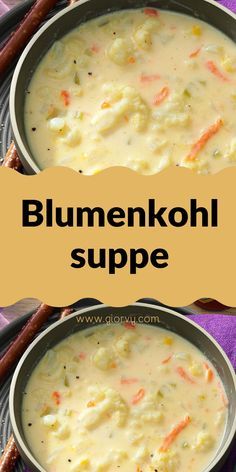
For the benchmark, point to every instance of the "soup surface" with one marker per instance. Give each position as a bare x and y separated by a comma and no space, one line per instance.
133,398
144,89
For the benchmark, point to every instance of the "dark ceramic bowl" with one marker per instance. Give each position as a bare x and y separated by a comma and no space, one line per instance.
161,316
71,17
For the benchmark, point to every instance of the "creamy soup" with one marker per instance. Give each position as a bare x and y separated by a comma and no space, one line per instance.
131,397
144,89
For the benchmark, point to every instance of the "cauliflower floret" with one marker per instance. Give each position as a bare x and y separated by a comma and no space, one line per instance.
122,101
141,165
73,137
220,418
229,64
138,121
83,463
92,416
199,165
152,24
165,160
120,51
63,432
204,442
97,393
173,112
123,344
50,421
113,457
142,36
104,358
106,119
155,144
231,151
152,417
147,410
116,455
215,49
166,462
118,407
109,402
182,356
141,455
57,124
112,91
196,369
134,437
102,466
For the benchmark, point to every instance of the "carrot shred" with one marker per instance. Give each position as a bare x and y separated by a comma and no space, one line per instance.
210,373
184,375
212,67
131,60
195,53
128,381
223,396
65,97
129,325
169,439
161,96
56,397
105,105
91,404
82,356
146,79
138,397
206,136
95,48
165,361
151,12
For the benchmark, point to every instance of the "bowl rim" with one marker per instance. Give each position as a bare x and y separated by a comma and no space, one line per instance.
23,445
12,101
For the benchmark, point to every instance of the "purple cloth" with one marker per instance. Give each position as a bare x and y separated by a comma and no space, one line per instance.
3,321
223,330
3,8
230,4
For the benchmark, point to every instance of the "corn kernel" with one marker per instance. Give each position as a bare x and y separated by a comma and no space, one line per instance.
196,30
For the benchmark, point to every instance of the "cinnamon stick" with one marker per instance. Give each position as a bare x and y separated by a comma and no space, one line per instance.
66,311
12,159
22,34
10,456
24,338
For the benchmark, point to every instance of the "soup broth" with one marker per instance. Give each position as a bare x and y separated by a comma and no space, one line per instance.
133,398
144,89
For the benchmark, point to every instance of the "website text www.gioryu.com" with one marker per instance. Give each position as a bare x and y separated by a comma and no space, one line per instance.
131,320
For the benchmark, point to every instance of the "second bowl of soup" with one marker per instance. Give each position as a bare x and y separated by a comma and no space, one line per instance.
128,396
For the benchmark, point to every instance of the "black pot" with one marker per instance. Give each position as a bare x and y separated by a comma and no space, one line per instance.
70,18
161,316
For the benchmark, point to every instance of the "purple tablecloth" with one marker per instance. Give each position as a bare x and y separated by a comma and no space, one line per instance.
231,4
